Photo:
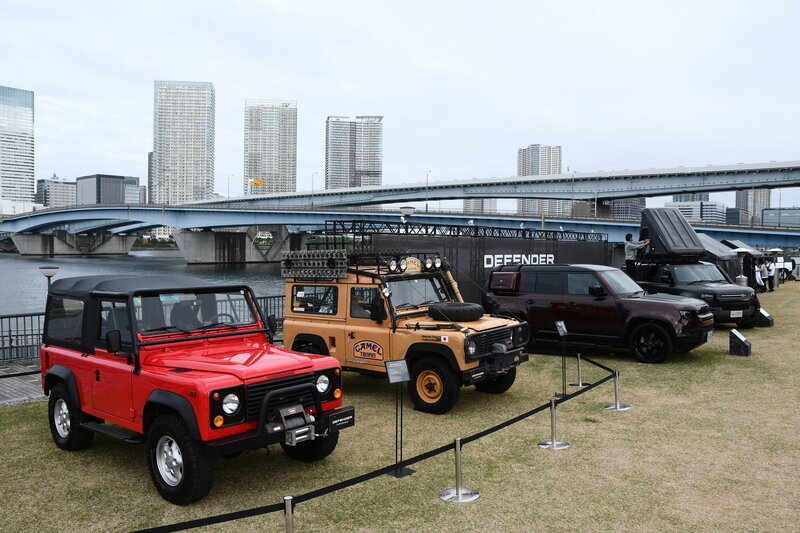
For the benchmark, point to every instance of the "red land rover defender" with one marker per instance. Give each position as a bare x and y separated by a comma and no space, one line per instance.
186,367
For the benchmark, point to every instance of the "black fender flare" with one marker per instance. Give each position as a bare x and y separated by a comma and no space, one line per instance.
174,402
430,347
639,320
60,373
315,340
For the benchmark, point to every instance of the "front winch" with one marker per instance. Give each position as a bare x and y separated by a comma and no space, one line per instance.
297,424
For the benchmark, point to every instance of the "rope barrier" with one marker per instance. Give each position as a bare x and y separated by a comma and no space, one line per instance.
266,509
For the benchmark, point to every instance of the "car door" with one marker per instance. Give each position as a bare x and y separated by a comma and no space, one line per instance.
367,342
112,373
589,319
544,304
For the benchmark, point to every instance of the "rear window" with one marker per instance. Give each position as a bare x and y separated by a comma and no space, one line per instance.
64,320
315,299
548,283
528,282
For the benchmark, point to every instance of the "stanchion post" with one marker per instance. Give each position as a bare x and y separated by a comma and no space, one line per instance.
554,443
580,384
459,494
288,513
617,406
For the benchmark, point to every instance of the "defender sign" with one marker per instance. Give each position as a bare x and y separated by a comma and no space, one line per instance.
368,350
493,260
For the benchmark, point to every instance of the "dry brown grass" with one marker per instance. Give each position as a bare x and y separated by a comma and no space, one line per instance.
710,445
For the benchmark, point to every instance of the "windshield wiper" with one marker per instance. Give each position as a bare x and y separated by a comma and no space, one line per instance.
407,305
700,281
165,328
204,327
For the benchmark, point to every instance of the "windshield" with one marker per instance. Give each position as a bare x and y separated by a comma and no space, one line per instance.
410,293
620,282
188,311
698,274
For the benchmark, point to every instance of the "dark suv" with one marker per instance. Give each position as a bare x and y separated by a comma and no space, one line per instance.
727,301
601,307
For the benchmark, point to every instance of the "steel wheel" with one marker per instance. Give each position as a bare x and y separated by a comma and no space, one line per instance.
429,386
169,461
61,418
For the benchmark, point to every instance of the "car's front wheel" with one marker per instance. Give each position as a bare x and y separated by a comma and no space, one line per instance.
499,384
65,418
651,343
313,450
181,468
434,387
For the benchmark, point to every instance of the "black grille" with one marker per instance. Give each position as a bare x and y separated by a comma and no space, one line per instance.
728,306
485,340
257,391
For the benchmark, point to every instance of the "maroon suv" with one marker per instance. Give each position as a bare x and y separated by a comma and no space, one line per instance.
600,307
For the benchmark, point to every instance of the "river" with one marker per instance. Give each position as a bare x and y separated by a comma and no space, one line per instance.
23,288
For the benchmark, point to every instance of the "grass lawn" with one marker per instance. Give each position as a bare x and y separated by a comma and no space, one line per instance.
710,445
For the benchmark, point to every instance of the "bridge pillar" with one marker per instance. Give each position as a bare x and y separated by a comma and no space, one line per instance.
283,241
218,247
63,243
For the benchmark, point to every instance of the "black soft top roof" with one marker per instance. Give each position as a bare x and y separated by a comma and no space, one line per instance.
117,285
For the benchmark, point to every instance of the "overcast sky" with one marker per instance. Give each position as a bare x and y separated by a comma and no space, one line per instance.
461,85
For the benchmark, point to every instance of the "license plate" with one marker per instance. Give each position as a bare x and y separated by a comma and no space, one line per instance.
709,335
342,418
736,314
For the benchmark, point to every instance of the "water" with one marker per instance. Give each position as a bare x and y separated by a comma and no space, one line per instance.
23,288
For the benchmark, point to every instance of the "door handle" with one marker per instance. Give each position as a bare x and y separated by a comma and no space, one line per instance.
530,301
97,375
351,334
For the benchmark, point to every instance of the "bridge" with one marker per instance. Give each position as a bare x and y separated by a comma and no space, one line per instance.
109,229
575,186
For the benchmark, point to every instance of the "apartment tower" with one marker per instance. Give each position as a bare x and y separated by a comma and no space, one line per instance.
353,152
270,147
535,160
183,142
17,183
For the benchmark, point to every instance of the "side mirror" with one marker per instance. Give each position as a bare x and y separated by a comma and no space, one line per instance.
113,341
597,290
272,323
664,278
377,311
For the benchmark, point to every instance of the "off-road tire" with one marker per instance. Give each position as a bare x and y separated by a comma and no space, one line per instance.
65,419
196,472
499,384
434,387
313,450
651,343
308,348
455,311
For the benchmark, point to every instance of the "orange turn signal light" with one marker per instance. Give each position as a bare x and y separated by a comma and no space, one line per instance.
215,396
338,371
337,393
218,420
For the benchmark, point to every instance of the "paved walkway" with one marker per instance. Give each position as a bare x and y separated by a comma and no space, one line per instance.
20,389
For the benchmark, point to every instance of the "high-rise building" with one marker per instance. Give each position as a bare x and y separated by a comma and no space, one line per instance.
787,217
536,160
754,201
735,216
17,183
353,152
481,206
270,146
183,142
55,192
708,212
108,189
150,177
691,197
628,208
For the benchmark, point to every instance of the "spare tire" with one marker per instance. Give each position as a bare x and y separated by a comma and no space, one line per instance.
455,311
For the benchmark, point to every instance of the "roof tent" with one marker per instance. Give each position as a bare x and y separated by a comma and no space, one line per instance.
733,243
724,257
671,236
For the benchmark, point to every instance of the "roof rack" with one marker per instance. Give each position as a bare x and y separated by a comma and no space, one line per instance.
334,264
328,264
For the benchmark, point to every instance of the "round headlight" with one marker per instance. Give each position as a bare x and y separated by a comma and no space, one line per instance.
437,262
428,263
472,348
403,264
392,264
230,404
323,384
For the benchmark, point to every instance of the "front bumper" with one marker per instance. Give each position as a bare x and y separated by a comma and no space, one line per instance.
722,314
492,365
692,338
275,433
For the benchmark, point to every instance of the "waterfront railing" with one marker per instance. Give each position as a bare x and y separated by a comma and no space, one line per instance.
21,335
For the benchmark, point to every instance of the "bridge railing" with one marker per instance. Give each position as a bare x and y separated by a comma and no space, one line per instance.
21,335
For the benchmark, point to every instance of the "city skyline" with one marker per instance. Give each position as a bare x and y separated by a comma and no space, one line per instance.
270,146
450,83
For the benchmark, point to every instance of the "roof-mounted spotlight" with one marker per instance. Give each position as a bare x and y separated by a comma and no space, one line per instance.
403,264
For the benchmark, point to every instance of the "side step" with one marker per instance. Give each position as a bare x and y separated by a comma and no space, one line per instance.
129,438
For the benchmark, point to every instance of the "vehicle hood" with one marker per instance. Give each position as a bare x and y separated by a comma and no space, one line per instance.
481,324
678,302
245,360
721,289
